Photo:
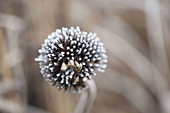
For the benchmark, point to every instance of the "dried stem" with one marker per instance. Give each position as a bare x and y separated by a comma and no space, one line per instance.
87,98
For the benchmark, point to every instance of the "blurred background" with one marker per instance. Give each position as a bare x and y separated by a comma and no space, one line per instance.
136,34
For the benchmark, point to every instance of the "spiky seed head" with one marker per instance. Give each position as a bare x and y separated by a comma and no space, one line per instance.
70,56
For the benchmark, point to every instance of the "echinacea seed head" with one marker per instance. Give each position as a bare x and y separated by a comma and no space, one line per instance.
69,57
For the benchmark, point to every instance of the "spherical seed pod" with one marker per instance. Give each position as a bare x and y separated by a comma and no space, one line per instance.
69,57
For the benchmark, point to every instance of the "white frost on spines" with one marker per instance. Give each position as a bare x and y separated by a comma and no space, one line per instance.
61,46
79,43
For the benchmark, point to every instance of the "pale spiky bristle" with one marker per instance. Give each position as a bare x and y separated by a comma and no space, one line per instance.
68,57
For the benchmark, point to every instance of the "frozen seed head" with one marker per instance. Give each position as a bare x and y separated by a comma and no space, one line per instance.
69,57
